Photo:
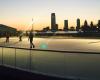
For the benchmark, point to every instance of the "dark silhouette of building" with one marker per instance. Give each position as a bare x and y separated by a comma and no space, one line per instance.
6,29
78,25
93,27
46,29
86,27
53,22
72,28
98,25
56,27
65,25
91,24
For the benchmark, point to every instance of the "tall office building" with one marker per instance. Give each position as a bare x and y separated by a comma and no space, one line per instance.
78,25
85,23
53,22
98,25
65,25
56,27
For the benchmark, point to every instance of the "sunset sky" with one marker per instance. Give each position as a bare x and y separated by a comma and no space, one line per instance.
19,13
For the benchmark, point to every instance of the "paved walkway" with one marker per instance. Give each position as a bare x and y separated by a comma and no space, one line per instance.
15,74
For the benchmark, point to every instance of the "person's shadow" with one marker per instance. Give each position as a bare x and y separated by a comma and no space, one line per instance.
8,44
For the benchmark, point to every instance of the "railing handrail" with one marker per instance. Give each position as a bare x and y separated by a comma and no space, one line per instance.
46,50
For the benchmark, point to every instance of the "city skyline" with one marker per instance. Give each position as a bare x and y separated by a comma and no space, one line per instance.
19,13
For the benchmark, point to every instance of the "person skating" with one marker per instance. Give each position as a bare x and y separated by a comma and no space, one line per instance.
31,40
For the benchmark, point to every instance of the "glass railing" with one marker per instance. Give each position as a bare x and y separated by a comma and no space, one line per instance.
80,65
1,55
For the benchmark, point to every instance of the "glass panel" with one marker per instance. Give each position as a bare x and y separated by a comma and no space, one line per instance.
83,66
22,58
48,62
0,55
9,56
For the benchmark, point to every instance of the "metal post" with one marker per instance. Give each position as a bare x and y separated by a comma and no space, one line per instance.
2,55
32,25
15,57
30,61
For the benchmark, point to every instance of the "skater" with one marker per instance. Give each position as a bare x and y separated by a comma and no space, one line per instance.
31,39
20,37
7,37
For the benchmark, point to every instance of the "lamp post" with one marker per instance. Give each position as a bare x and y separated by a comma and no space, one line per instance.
32,25
33,28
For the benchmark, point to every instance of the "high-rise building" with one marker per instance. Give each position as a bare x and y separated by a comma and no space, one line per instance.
56,27
53,22
85,23
65,25
78,25
99,25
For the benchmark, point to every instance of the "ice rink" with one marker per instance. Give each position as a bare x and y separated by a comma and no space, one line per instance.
92,45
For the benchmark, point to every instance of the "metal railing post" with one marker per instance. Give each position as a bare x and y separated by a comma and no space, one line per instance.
2,55
30,60
15,57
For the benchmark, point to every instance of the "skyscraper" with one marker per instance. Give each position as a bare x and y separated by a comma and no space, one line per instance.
65,25
85,23
53,22
98,25
56,27
78,25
